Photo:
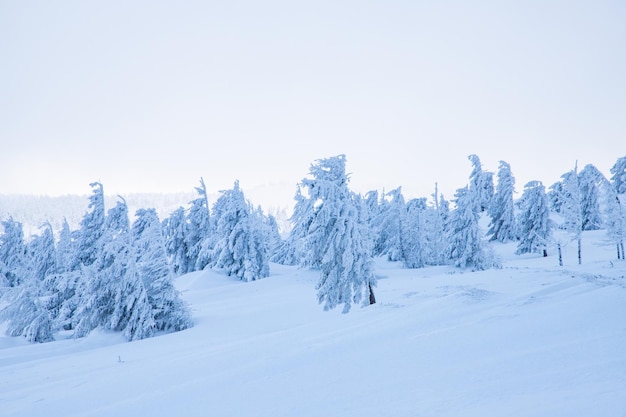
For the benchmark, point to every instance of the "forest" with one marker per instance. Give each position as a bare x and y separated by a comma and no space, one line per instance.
113,274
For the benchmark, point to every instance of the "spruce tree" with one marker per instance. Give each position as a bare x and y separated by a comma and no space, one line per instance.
291,250
480,184
535,226
27,312
12,253
415,235
388,225
590,180
615,215
336,239
91,226
502,211
63,282
242,245
197,230
174,228
466,248
168,311
618,179
112,295
569,195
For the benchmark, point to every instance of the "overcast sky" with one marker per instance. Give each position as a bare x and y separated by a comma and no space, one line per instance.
150,96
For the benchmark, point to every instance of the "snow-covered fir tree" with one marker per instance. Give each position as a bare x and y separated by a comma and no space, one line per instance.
174,228
436,228
168,310
62,284
27,313
554,196
388,225
481,184
371,201
570,197
66,256
274,239
12,253
242,245
618,177
112,295
502,226
615,215
535,226
590,181
292,250
415,235
336,239
91,226
466,248
197,230
41,254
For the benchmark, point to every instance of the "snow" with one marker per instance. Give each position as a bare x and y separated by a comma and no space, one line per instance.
529,339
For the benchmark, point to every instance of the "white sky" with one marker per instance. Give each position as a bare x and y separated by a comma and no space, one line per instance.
150,96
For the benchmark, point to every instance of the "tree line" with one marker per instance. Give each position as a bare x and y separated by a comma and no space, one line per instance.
114,275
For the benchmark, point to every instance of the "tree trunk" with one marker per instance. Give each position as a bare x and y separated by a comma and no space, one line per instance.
545,253
621,244
372,298
580,259
558,246
619,254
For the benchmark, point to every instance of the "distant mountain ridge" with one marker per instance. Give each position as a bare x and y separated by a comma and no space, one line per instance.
35,210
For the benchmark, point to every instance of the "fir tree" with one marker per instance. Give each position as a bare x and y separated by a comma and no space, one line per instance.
502,210
174,228
619,175
615,215
112,295
481,184
91,226
273,237
63,282
570,197
168,311
66,256
41,254
27,313
336,239
242,247
415,241
198,229
291,250
436,228
590,180
388,225
466,248
371,205
535,226
12,253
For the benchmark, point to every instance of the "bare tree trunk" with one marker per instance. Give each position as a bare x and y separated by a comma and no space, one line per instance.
580,259
545,253
619,254
372,298
622,246
558,246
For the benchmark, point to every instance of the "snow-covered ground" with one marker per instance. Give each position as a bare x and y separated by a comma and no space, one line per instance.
530,339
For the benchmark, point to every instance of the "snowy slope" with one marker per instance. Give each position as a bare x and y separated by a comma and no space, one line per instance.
530,339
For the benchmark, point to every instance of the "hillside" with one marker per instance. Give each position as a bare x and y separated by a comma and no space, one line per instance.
530,339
